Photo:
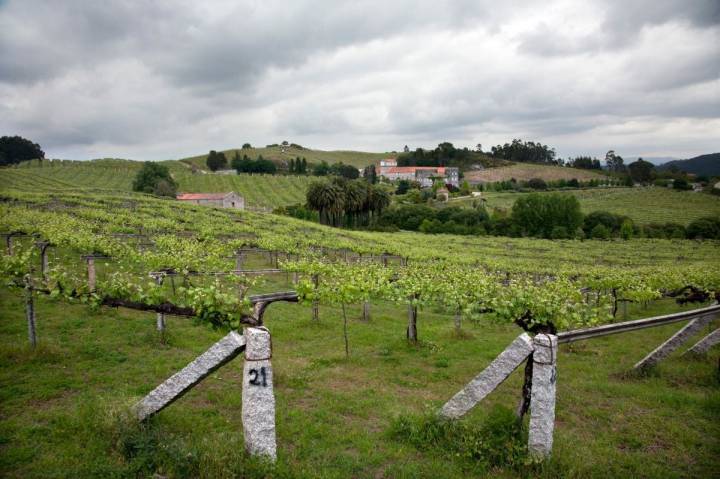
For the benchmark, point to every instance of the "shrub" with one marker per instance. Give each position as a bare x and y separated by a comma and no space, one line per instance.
704,228
559,232
681,184
537,184
609,220
600,232
626,229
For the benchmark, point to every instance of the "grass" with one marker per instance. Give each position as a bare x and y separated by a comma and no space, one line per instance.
65,405
359,159
642,205
526,171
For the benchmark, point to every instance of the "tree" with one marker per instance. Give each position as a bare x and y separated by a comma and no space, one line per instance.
155,178
321,169
538,215
328,199
370,174
16,149
246,146
641,171
216,160
406,149
614,162
403,187
303,166
346,171
291,167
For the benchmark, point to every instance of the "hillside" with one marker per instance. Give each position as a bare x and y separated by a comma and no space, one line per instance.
642,205
526,171
708,165
281,155
260,191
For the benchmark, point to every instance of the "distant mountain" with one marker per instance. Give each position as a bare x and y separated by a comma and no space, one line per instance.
655,160
708,165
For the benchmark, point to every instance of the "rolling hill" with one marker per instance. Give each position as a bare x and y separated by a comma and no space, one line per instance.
526,171
279,154
708,165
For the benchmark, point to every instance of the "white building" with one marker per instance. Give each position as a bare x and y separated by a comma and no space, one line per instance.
425,175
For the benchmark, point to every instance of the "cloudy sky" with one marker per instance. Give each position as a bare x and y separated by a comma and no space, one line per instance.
158,80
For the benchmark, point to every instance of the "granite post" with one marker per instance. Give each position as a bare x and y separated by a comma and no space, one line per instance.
703,346
165,394
490,378
542,399
675,341
258,399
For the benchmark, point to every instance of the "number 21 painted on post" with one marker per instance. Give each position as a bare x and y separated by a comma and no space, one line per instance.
255,379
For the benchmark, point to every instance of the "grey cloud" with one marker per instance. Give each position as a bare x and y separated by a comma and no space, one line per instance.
622,22
171,79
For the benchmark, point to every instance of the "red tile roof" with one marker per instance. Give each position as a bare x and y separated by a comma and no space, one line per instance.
413,169
202,196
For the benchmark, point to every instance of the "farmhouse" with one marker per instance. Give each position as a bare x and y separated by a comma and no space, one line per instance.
425,175
223,200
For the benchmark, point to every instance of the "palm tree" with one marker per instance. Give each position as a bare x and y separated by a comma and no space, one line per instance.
378,200
356,195
328,199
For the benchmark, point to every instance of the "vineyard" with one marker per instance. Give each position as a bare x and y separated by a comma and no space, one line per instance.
436,306
258,190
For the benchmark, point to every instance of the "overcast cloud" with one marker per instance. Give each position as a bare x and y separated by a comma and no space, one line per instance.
159,80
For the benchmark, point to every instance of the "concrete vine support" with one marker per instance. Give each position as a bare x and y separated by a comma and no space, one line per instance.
316,303
160,317
181,382
703,346
91,273
542,397
30,311
258,398
490,378
673,343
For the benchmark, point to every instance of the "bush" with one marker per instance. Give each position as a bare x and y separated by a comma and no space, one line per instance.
559,232
704,228
626,229
537,184
600,232
610,221
681,184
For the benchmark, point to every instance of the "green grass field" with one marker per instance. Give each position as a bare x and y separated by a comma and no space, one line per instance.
64,405
359,159
642,205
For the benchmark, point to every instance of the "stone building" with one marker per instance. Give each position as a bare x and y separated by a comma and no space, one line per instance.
222,200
